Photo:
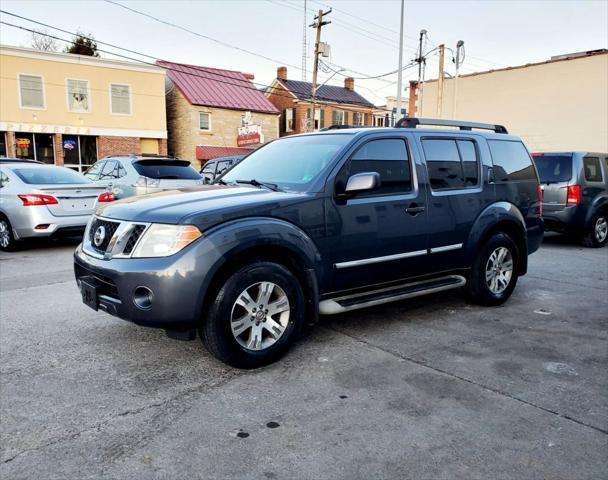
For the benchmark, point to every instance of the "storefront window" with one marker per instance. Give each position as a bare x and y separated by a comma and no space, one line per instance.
24,145
79,151
3,145
43,143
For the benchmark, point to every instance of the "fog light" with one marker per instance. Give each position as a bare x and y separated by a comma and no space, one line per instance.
142,298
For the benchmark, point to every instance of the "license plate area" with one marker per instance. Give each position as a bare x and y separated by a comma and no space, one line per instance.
89,294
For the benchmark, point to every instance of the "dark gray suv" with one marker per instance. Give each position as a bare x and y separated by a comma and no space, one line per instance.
575,194
318,223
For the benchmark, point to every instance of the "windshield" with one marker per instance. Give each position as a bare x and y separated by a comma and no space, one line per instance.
553,168
49,176
291,162
166,169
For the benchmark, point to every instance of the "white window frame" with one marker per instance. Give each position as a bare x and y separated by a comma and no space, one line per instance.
289,115
19,75
199,121
362,119
342,115
67,95
128,85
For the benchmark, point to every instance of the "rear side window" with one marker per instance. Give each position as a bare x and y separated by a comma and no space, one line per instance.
553,168
94,171
166,169
511,161
451,164
389,158
593,172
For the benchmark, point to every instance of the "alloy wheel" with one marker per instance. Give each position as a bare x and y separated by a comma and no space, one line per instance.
260,316
601,229
499,270
5,237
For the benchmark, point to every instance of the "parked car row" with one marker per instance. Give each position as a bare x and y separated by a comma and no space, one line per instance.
39,200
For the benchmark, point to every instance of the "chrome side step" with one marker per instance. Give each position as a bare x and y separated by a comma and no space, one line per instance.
390,294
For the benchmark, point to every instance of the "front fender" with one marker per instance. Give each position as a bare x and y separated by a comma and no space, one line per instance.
225,241
503,213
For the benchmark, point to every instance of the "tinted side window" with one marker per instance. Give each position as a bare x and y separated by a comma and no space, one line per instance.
593,172
443,164
387,157
511,161
470,163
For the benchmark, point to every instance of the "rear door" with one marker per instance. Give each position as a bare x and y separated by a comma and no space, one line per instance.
556,173
456,196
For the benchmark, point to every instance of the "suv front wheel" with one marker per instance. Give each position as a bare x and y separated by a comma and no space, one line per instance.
494,271
255,316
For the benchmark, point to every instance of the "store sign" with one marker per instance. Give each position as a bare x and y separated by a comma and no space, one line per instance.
39,128
248,133
69,144
22,143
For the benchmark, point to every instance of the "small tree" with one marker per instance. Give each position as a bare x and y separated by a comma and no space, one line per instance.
83,45
42,41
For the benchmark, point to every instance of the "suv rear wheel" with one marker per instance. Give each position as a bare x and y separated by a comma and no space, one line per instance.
597,234
494,271
255,316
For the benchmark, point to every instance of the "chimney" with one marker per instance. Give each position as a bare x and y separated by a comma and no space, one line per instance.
349,83
282,73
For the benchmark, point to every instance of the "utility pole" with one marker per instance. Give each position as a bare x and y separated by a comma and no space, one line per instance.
400,74
459,59
420,61
320,23
440,79
304,46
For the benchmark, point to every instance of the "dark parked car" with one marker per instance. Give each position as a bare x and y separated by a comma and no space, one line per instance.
216,167
575,194
318,223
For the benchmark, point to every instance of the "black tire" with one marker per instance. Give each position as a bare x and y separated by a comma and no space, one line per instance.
592,237
7,229
478,289
215,329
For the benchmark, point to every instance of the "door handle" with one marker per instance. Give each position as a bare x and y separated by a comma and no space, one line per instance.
414,209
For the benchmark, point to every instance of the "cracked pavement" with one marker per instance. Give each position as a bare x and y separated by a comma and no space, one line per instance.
431,388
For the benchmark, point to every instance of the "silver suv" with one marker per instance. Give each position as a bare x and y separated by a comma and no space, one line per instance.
129,175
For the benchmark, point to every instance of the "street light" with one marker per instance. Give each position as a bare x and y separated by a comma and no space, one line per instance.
459,59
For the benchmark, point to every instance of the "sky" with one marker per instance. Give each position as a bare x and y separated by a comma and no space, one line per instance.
363,35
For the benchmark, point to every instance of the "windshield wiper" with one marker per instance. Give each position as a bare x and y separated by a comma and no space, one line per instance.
256,183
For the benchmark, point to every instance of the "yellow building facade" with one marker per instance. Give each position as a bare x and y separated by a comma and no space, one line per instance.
71,110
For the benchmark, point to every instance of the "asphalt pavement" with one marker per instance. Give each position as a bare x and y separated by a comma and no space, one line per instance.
432,388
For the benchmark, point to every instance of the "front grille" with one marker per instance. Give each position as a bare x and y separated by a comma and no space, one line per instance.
133,238
110,229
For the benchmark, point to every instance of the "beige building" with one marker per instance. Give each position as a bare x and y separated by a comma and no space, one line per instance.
62,108
214,113
557,105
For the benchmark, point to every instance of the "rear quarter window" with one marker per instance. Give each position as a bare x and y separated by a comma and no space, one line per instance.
593,172
511,160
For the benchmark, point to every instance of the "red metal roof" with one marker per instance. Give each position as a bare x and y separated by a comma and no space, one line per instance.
207,152
214,87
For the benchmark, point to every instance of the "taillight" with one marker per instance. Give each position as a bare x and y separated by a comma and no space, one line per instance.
540,201
106,197
574,195
34,199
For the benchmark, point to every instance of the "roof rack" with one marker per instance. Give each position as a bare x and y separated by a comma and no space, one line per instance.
335,127
408,122
143,155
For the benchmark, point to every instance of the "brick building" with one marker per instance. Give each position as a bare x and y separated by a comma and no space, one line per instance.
213,113
335,105
67,109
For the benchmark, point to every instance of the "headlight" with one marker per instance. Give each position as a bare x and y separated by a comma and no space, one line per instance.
163,240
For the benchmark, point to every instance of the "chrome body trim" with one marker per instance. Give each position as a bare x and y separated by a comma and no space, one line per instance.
446,248
117,242
387,258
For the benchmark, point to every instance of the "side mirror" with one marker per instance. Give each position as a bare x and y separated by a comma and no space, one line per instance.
362,182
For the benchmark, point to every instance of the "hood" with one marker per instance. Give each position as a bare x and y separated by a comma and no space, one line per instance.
202,206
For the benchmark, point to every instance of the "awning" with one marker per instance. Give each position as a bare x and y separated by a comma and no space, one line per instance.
207,152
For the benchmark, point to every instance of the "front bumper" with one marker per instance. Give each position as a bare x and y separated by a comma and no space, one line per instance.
178,284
